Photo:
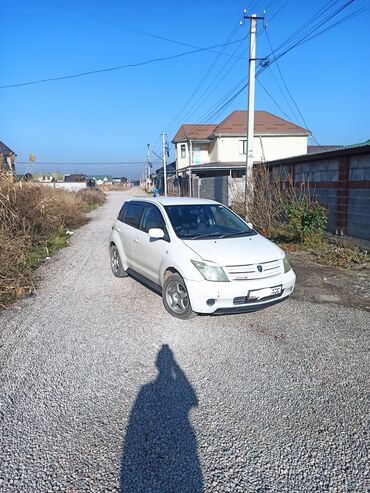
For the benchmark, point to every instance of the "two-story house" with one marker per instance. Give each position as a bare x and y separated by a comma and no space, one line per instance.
220,149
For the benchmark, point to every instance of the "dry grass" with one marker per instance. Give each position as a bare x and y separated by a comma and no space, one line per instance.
115,187
33,221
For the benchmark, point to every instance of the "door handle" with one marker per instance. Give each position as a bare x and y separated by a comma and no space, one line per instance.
136,240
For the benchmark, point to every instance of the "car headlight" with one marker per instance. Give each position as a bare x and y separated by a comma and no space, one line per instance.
287,266
210,272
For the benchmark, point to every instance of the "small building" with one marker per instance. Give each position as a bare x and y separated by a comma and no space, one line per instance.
158,177
75,178
46,179
120,180
103,179
7,160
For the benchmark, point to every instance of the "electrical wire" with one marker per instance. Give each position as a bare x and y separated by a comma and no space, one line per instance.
110,69
288,91
132,29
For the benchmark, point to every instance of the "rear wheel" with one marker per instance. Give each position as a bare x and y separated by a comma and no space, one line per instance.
176,298
115,262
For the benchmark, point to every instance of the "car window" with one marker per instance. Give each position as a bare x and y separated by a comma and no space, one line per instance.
122,212
133,214
152,218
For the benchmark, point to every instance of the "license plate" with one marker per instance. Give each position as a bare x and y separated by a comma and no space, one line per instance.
259,294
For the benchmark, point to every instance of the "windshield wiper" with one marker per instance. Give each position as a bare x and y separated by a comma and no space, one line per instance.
205,235
241,233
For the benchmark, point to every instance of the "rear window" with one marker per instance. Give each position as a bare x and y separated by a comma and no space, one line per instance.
122,212
133,214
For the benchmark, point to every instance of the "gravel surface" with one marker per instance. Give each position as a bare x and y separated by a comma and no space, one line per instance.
102,390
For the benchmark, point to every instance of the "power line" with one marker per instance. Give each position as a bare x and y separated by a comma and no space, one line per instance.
288,91
310,35
201,82
118,67
134,30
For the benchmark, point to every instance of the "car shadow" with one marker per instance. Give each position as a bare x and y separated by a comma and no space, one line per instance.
160,448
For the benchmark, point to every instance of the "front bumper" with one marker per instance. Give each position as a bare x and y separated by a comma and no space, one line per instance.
227,295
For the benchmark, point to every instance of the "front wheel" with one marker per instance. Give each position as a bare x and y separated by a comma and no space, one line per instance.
176,298
115,262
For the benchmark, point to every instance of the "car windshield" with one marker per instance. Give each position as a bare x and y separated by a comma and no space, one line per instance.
205,221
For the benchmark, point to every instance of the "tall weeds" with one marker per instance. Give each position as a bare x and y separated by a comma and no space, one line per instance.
30,216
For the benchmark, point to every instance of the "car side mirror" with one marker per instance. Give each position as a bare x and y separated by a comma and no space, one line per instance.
250,225
156,233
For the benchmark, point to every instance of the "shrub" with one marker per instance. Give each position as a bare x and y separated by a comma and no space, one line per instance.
305,218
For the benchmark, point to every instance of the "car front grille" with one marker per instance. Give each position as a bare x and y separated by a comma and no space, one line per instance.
254,271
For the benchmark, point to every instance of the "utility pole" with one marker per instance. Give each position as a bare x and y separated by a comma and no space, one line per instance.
164,151
148,166
250,119
190,165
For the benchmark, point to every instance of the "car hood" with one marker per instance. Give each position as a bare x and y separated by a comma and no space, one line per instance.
236,251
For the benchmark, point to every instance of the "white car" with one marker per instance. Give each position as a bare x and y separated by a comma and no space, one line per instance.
199,255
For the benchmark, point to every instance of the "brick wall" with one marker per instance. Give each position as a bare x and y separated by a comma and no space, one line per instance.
342,185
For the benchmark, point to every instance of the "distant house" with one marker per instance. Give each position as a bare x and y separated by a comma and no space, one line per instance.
159,175
46,179
7,159
103,179
74,178
123,179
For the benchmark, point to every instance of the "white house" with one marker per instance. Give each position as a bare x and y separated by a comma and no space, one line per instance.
222,147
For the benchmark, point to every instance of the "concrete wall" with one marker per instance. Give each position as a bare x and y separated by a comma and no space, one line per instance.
358,207
324,170
342,185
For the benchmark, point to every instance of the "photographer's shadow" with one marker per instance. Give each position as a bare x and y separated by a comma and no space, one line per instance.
160,448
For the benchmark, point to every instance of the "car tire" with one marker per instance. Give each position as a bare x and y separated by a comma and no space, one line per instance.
176,298
115,262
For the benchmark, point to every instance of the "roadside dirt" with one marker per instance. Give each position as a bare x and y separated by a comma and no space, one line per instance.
320,284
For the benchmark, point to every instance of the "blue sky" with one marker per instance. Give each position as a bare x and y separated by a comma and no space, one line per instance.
111,116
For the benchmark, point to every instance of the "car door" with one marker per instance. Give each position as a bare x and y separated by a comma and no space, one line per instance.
129,222
148,252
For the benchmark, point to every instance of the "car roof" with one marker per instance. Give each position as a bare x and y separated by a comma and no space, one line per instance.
173,200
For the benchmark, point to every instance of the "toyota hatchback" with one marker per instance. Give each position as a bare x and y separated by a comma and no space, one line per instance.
199,255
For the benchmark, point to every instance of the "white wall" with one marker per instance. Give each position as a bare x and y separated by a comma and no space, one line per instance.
266,148
71,186
229,149
182,162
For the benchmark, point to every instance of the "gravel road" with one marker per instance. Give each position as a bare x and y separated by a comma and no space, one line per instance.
102,390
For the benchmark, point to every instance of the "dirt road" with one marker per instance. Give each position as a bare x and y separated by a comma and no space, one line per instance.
101,390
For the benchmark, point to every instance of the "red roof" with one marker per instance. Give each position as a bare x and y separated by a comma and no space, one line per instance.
264,123
236,124
194,132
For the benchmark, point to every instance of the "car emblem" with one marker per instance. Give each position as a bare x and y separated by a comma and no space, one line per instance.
259,268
